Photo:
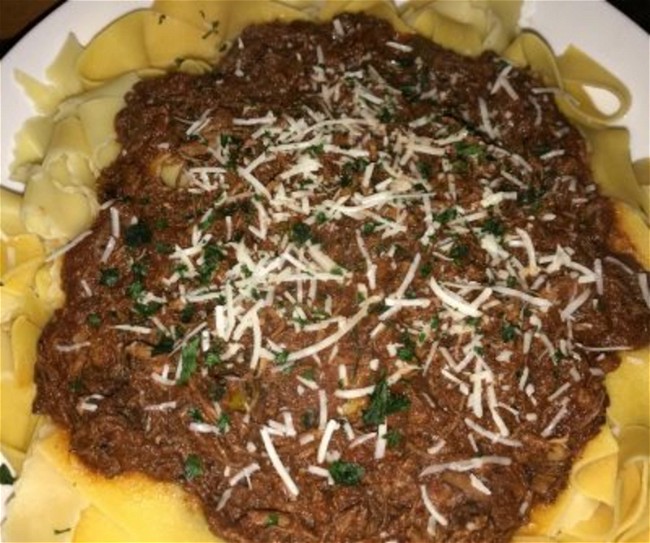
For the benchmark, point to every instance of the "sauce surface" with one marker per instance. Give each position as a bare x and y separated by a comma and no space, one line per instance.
378,302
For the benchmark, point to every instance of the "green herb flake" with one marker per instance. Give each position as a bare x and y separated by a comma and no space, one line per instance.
406,353
61,531
394,438
272,519
212,257
109,277
508,331
445,216
426,269
189,360
165,345
137,234
94,320
135,290
223,424
195,414
300,233
368,228
346,473
148,309
458,252
193,467
493,226
435,322
212,358
187,313
383,402
466,149
282,357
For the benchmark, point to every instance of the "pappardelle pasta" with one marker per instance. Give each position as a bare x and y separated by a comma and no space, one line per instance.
60,154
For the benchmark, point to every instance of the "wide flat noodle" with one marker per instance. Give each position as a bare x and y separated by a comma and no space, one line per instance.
469,28
164,511
45,507
383,9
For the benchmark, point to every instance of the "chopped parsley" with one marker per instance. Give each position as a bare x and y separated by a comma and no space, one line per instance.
508,331
445,216
187,313
346,473
137,234
223,424
109,277
193,467
383,402
466,149
94,320
212,256
394,438
189,360
282,357
165,345
493,226
212,358
272,519
458,252
300,233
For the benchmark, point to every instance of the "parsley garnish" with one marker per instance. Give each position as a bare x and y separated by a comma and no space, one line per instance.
212,358
466,149
212,256
193,467
165,345
187,313
445,216
195,414
300,233
189,356
383,402
394,438
109,277
137,234
272,519
458,252
223,423
493,226
346,473
508,331
93,320
282,357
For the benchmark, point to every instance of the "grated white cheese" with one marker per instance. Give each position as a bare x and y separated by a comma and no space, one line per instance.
435,514
277,463
331,427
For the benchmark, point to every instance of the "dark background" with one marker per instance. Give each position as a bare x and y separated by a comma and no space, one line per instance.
18,16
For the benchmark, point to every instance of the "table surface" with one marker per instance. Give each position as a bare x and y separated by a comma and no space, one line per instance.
18,16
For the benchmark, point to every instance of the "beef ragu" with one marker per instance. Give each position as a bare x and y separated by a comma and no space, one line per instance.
377,304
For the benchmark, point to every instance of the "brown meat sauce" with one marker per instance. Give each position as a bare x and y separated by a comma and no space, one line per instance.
486,406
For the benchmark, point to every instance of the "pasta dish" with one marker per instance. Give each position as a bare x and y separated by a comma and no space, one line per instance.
306,274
